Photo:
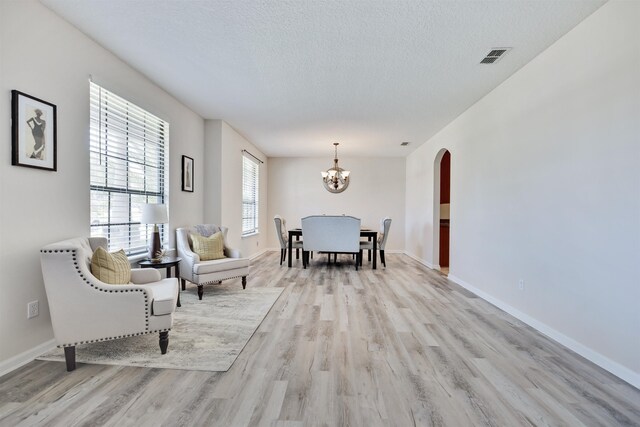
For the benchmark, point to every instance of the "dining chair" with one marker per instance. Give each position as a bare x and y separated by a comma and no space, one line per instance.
283,237
385,224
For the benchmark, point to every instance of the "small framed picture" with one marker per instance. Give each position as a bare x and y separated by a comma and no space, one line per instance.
33,132
187,174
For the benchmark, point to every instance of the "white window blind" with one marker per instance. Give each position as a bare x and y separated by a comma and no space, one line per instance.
250,179
127,156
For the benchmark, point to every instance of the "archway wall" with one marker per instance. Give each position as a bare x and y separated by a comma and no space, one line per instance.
545,188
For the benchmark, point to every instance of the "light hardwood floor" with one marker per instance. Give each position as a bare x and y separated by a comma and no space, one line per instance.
395,347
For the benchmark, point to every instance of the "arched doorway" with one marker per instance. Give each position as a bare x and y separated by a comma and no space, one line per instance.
441,209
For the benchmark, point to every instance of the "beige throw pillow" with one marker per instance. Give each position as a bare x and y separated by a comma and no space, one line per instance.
208,248
113,268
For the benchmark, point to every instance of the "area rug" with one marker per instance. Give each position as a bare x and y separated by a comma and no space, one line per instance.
207,335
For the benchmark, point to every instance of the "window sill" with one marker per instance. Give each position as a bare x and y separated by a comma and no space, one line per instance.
250,234
133,259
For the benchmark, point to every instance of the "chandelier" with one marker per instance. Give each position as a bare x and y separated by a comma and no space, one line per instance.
336,179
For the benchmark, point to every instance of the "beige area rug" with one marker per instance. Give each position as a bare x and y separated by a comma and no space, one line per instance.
207,335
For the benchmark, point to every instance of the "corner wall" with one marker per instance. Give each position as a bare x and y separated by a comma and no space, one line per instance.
44,56
223,189
546,188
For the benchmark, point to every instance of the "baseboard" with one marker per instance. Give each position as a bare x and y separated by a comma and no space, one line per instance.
257,254
421,261
604,362
23,358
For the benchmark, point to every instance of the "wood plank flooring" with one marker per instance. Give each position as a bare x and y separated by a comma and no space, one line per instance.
399,346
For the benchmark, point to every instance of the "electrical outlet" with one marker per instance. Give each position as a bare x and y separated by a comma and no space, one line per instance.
33,309
521,284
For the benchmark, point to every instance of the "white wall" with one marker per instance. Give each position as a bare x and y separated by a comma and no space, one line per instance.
376,190
223,200
42,55
212,169
546,187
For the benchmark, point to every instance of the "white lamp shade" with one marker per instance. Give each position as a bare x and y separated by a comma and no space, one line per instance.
346,173
154,214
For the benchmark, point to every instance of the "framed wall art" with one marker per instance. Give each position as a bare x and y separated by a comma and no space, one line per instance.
187,174
33,132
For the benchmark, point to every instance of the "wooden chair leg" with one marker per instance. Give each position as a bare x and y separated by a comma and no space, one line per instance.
281,256
382,258
184,284
200,291
70,358
244,282
164,341
358,261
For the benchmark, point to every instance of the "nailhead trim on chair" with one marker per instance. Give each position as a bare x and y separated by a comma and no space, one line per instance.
112,338
98,288
216,281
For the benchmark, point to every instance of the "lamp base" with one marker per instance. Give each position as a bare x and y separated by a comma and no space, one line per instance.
156,247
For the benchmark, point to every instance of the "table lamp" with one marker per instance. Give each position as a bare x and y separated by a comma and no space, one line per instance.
155,214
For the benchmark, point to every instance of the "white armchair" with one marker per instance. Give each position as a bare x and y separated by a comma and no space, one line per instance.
84,309
200,272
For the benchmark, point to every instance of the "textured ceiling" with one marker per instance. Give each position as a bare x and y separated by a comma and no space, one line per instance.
293,76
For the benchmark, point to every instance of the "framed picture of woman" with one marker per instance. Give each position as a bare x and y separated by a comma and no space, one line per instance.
33,132
187,174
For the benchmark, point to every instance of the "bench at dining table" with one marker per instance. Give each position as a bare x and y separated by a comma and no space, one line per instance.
372,235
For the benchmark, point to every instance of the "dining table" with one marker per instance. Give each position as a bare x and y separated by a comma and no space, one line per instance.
371,235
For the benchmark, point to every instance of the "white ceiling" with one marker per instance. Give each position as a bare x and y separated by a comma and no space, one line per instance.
294,76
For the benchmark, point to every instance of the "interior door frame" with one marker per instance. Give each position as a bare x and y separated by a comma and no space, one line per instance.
436,209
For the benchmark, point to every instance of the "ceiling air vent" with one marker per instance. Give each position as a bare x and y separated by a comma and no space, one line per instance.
495,55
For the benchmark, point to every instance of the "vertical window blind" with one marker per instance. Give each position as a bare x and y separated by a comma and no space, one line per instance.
250,189
127,148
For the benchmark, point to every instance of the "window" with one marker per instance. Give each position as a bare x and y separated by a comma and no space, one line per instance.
250,172
127,168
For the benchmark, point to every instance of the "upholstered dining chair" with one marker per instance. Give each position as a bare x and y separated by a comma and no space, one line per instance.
85,310
385,224
283,238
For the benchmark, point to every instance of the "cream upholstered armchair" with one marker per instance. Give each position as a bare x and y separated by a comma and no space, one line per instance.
201,272
84,309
